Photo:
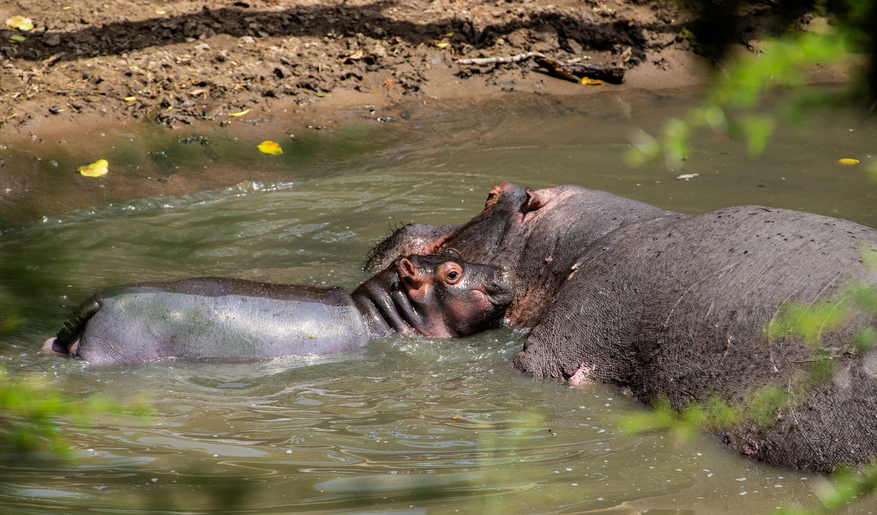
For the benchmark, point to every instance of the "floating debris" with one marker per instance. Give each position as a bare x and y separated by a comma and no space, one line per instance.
96,169
270,147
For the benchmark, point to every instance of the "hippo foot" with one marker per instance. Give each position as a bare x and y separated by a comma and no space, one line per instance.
49,348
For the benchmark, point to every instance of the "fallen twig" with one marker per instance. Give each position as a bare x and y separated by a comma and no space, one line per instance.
50,61
567,71
499,60
613,74
555,68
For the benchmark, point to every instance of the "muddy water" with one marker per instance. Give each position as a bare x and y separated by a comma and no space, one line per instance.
407,424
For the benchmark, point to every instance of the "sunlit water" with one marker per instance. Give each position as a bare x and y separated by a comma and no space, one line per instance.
406,424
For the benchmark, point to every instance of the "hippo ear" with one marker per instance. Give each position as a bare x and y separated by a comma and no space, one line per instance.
408,274
533,200
453,254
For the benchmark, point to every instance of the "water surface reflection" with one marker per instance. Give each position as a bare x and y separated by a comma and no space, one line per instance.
406,424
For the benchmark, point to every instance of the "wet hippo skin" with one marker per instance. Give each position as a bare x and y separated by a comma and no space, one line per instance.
672,306
225,319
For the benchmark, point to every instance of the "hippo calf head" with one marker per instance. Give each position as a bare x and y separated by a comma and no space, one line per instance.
537,234
434,295
451,297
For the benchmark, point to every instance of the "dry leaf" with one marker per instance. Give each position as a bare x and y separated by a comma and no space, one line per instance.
847,161
96,169
591,82
356,56
269,147
20,22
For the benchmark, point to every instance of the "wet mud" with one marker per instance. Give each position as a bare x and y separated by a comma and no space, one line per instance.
91,69
176,62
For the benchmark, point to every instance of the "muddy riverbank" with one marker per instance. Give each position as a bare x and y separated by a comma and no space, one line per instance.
179,62
89,75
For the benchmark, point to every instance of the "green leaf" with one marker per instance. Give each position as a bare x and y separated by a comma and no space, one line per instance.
758,130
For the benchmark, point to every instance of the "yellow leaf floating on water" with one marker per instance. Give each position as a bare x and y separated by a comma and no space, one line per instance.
20,22
269,147
240,113
591,82
96,169
847,161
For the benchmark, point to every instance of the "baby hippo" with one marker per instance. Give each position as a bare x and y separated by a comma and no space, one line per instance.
224,319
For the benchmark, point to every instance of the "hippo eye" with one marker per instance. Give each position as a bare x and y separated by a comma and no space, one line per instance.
450,273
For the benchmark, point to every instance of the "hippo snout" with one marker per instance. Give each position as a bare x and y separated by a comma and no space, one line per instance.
501,288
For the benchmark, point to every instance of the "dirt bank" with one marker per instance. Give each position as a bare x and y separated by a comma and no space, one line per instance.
180,61
90,73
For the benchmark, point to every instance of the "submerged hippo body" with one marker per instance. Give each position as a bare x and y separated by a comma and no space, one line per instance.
223,319
675,306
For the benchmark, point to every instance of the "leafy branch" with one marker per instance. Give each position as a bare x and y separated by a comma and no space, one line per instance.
31,414
781,63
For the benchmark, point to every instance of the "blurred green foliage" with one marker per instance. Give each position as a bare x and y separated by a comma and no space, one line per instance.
32,415
845,488
733,106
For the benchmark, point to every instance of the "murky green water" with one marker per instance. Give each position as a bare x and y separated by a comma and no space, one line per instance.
405,425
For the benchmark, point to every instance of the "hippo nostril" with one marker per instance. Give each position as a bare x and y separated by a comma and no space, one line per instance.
505,278
501,288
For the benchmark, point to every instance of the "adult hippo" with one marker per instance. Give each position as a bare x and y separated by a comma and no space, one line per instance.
223,319
666,305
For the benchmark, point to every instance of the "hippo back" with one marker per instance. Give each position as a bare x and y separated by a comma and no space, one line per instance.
677,308
219,319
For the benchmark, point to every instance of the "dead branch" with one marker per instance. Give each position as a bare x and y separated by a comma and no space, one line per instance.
613,74
499,60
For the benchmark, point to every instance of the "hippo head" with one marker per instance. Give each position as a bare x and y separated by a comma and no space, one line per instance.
537,234
450,297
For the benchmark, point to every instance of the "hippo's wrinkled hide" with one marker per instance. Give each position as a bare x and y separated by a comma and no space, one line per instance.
677,308
666,305
225,319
